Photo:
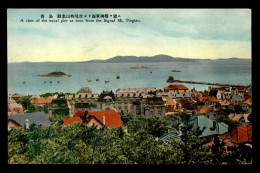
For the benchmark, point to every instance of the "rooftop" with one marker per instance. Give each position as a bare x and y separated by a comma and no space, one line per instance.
176,87
112,118
38,118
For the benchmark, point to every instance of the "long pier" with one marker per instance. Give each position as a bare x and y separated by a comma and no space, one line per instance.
206,83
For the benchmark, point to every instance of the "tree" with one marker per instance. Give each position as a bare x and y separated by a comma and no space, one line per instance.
25,101
193,151
31,108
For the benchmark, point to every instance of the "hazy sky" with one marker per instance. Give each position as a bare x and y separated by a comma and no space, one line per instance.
187,33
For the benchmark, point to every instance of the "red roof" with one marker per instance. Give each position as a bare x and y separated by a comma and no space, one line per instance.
112,118
9,110
240,134
204,110
175,87
210,99
69,121
78,113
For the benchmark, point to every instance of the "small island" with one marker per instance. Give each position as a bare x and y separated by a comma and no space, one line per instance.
55,74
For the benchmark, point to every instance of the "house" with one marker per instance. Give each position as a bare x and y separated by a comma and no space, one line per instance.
236,99
223,104
27,119
246,104
15,107
240,90
177,88
110,118
239,135
208,112
172,106
16,96
41,101
9,111
220,92
208,101
209,128
241,118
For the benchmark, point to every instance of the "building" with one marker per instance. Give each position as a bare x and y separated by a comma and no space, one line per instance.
246,104
236,99
110,118
84,91
208,101
240,134
71,106
241,118
16,96
9,111
223,104
15,107
27,119
153,105
41,102
128,99
59,106
208,127
220,92
177,88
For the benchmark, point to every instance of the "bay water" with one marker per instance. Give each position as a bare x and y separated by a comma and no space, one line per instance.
208,71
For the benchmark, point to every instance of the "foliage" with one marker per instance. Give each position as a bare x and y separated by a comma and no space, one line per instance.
24,101
232,124
60,112
79,144
57,73
48,94
32,108
193,151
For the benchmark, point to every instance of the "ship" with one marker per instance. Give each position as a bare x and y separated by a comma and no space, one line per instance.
117,76
176,71
140,67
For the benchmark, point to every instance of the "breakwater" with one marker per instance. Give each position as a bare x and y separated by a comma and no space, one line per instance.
206,83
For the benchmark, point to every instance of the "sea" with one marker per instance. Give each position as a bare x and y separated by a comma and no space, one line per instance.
22,76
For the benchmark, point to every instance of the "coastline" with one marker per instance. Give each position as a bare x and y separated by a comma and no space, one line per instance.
47,75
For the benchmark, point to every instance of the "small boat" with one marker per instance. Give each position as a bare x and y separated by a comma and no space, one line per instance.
24,82
106,81
44,81
140,67
150,71
50,81
58,81
176,71
97,79
89,80
117,76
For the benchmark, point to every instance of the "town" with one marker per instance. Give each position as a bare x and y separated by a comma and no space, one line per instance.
222,114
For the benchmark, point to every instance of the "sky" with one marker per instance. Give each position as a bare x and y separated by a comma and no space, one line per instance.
186,33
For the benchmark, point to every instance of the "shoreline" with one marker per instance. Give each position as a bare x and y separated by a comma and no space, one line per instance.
47,75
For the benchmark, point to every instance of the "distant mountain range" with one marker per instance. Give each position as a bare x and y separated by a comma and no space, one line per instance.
158,58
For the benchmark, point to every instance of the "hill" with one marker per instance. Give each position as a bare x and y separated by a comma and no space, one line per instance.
159,58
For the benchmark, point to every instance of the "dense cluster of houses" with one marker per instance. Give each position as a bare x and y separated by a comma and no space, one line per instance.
105,109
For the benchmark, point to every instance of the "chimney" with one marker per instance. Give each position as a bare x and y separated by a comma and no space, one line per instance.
104,119
27,124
